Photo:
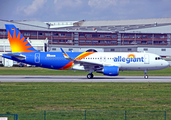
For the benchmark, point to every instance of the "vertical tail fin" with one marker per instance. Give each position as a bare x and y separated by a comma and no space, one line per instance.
17,41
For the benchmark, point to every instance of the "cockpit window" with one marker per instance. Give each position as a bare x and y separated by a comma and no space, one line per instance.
158,58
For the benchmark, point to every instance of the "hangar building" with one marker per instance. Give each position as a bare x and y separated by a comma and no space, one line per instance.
149,35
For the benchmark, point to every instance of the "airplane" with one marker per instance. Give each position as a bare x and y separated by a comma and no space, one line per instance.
107,63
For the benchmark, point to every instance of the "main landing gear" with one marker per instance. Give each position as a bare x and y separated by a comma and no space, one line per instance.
145,74
90,76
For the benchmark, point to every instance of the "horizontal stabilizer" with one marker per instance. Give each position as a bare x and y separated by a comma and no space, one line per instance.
16,56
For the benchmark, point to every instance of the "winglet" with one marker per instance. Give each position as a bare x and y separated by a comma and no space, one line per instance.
66,55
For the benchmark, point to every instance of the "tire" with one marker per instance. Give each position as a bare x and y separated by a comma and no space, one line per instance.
90,76
146,76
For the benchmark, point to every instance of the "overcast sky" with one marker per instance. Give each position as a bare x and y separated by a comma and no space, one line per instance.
90,10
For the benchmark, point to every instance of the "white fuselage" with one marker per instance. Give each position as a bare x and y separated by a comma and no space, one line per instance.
127,61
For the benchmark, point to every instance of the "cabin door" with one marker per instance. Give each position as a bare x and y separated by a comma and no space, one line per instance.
146,59
37,57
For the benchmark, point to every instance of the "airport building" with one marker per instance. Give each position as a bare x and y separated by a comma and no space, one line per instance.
149,35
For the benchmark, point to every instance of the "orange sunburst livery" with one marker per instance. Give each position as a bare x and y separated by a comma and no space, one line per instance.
83,55
67,66
17,44
71,64
131,55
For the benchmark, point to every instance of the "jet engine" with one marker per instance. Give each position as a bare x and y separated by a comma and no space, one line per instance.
109,70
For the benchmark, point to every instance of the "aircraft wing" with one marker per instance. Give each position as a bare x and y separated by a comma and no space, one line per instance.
88,64
66,56
16,56
95,63
82,62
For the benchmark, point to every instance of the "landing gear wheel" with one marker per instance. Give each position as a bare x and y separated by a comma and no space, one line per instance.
146,76
90,75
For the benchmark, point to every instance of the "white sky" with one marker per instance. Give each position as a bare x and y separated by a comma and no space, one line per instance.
90,10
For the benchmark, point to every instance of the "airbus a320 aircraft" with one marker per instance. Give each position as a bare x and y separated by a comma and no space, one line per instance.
108,63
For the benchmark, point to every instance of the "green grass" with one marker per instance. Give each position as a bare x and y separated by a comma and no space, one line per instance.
25,99
44,71
33,97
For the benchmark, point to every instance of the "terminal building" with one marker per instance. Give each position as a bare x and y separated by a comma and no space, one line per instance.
149,35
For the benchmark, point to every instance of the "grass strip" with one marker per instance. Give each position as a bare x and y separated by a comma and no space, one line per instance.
35,97
44,71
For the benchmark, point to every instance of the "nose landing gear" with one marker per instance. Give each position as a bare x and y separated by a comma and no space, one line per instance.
145,74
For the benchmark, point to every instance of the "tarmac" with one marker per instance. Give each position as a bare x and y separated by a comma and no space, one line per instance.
120,79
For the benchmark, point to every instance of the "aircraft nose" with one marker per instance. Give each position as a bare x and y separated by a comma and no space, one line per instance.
166,64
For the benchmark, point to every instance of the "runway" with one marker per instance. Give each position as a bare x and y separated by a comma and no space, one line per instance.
125,79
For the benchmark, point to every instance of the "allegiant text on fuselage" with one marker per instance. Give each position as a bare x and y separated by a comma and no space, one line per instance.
129,59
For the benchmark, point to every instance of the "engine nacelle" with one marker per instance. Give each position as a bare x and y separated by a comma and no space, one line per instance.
110,70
